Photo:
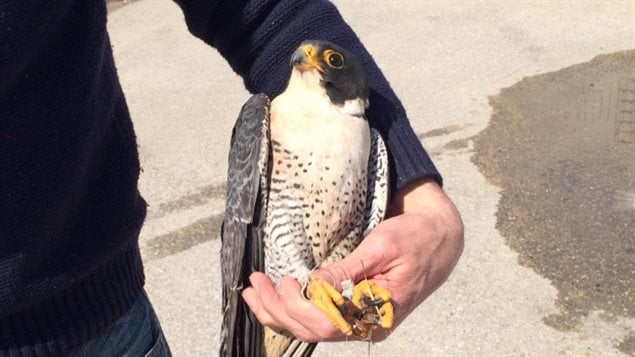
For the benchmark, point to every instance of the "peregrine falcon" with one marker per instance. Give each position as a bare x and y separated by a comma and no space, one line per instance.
307,180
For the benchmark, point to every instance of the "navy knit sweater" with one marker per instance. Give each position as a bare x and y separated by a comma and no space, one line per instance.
70,211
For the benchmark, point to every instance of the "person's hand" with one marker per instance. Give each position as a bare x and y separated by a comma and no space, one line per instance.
411,254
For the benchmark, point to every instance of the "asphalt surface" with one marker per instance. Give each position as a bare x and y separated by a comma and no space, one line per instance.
531,129
562,147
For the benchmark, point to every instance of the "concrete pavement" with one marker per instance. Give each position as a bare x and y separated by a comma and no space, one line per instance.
444,59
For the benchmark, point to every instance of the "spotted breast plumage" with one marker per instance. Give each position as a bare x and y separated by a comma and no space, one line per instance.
307,179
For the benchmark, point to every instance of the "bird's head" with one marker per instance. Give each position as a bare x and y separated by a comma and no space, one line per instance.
338,73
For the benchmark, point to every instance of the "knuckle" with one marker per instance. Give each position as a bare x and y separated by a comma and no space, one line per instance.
325,330
266,320
384,248
306,337
289,307
335,275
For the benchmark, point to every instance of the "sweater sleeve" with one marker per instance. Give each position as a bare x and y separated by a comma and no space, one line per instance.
257,38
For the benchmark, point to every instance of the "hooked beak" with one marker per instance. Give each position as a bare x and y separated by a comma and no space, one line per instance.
306,58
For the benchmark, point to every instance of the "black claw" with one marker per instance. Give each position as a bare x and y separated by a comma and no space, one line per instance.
343,308
373,302
358,315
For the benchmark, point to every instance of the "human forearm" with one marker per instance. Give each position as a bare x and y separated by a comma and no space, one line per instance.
427,219
411,254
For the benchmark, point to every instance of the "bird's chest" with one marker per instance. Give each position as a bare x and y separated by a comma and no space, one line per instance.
318,144
318,166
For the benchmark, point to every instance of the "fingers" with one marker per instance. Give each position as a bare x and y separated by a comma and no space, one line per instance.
286,309
268,306
261,291
372,257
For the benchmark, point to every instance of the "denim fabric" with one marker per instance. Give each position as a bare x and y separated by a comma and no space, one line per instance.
136,334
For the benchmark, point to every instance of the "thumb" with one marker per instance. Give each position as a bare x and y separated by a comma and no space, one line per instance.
370,258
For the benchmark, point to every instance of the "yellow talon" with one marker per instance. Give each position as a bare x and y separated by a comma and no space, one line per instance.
386,313
368,288
372,306
324,297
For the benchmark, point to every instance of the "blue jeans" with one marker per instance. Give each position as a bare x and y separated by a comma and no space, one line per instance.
136,334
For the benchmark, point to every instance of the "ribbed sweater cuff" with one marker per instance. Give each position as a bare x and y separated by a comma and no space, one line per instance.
66,321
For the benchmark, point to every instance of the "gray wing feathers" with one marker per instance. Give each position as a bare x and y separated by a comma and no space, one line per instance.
241,234
377,191
298,348
246,163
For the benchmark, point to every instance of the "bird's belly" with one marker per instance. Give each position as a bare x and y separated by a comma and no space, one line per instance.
316,199
337,198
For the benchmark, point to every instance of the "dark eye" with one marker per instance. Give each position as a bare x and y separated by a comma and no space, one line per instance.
334,59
